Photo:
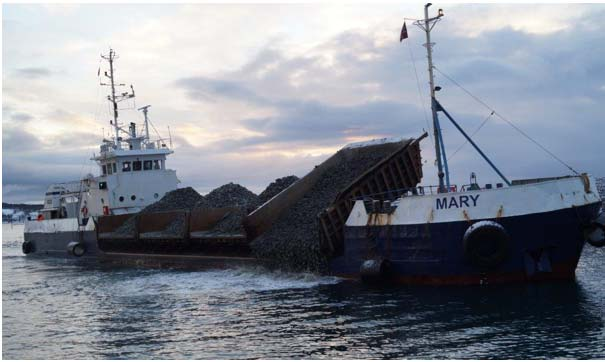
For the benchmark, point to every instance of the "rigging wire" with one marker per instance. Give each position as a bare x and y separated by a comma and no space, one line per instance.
156,131
426,118
472,135
506,120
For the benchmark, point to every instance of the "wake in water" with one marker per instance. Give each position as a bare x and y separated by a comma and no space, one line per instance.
239,280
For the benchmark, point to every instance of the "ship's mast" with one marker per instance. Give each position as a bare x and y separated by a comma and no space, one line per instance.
427,25
113,98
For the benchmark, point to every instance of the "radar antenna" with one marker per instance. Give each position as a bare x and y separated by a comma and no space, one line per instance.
144,109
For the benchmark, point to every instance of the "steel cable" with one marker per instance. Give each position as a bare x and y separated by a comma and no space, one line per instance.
506,120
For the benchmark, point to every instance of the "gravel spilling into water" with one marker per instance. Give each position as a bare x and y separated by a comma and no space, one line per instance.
293,240
276,187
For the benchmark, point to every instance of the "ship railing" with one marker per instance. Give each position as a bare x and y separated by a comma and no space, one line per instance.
407,192
392,195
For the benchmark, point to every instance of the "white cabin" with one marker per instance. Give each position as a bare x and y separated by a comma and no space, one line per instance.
132,170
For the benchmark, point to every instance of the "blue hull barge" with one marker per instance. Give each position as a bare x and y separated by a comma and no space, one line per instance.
520,231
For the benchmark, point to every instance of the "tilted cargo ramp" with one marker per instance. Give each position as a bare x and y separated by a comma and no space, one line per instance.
400,171
355,171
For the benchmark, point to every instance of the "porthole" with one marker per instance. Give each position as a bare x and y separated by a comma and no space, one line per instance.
133,197
121,199
156,195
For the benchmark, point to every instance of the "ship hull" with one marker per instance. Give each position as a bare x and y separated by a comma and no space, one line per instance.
543,245
56,244
59,237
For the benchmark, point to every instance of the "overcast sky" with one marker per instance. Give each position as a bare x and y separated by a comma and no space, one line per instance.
255,92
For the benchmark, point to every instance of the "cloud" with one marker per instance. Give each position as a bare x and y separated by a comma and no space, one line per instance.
280,96
33,72
21,117
203,89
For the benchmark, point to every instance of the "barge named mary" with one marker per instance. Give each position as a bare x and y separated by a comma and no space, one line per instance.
518,231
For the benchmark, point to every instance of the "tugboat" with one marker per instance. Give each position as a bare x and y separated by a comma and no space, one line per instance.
524,230
133,174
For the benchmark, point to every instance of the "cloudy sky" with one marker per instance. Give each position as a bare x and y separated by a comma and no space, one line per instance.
255,92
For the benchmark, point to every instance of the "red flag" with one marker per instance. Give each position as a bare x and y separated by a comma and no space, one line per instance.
404,33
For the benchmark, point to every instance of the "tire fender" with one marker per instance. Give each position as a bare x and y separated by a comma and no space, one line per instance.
486,244
27,247
76,249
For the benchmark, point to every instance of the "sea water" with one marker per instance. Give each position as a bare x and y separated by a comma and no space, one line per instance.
58,309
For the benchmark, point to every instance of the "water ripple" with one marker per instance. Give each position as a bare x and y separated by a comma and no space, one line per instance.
60,310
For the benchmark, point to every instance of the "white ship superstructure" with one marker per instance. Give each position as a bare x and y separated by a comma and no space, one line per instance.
132,174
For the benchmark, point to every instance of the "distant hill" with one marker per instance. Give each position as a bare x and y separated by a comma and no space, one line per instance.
23,207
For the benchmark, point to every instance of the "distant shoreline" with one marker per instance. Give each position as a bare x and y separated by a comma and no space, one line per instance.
24,207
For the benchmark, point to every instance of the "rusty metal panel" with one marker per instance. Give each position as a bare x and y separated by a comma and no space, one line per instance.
205,219
109,223
158,221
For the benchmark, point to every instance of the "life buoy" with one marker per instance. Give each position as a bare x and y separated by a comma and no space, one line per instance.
27,247
105,210
84,211
486,244
76,248
40,217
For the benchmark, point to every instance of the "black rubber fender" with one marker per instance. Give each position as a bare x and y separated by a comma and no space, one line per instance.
597,241
595,235
486,244
76,248
375,270
27,247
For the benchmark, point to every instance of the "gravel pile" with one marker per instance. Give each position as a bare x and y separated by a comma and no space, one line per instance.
229,195
293,241
275,188
178,199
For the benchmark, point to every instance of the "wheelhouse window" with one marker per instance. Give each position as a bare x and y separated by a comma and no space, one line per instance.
147,165
109,171
115,168
126,166
156,164
136,165
104,170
